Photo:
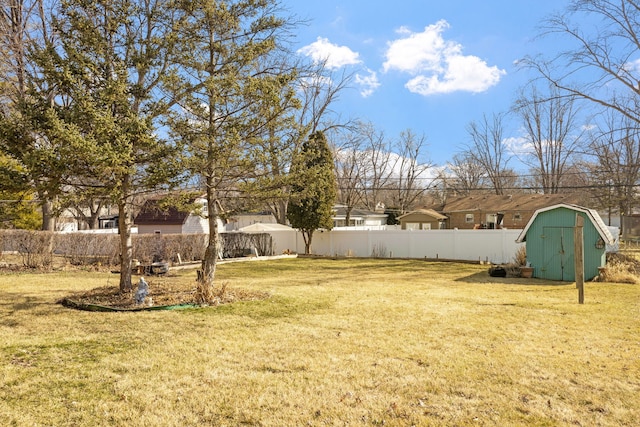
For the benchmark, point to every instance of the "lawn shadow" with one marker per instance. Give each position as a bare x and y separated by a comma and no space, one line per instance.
12,303
484,277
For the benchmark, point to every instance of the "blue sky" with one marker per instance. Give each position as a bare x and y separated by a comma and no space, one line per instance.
429,66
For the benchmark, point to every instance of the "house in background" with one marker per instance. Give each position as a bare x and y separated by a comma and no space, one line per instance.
490,211
98,216
108,221
549,237
359,219
155,218
422,219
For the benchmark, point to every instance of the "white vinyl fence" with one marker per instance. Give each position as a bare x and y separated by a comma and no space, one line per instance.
495,246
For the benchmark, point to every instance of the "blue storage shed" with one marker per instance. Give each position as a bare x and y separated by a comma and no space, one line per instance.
550,242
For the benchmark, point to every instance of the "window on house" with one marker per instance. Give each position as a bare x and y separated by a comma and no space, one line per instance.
468,218
517,216
157,231
413,226
426,226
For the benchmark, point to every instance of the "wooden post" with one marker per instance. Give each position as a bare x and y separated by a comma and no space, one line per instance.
578,256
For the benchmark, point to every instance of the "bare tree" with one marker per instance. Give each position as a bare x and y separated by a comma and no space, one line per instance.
409,171
604,39
276,140
319,88
487,148
551,129
599,66
316,88
348,155
377,165
467,174
615,172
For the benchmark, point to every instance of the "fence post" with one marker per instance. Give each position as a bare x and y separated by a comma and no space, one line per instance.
578,255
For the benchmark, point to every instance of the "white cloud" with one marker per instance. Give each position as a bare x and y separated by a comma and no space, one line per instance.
438,64
632,66
518,145
368,83
334,55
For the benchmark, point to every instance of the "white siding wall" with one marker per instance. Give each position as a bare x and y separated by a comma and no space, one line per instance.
375,221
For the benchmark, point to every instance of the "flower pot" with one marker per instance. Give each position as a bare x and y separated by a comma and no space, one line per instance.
526,272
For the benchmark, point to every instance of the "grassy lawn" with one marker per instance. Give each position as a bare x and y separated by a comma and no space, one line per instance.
339,342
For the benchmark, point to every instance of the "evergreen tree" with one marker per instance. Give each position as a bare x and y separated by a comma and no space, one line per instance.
24,26
101,123
17,207
226,91
314,190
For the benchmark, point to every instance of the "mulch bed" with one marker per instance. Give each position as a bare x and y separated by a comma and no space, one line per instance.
161,294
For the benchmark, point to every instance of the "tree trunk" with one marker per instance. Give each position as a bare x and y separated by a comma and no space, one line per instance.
347,218
126,245
280,211
205,291
307,235
48,220
94,219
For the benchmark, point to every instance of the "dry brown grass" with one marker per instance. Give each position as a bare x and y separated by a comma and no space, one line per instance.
339,342
621,268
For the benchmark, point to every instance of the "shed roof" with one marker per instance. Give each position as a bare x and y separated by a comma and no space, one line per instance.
260,227
429,212
595,218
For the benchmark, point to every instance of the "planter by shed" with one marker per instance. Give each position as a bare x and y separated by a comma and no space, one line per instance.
526,272
549,237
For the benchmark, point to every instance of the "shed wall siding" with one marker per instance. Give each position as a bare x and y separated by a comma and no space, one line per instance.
544,251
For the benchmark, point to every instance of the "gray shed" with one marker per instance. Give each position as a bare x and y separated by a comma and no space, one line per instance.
550,242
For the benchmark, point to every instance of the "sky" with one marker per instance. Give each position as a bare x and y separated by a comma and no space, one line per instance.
429,66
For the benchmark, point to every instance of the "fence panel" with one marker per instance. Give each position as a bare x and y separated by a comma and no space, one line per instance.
496,246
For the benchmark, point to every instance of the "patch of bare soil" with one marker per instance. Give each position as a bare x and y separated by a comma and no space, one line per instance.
161,293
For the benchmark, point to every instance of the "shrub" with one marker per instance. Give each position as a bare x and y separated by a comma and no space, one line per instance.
520,258
35,247
379,250
149,248
87,248
235,245
191,247
620,269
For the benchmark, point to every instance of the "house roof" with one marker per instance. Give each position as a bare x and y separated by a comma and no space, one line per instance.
428,212
340,211
512,202
152,214
595,218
